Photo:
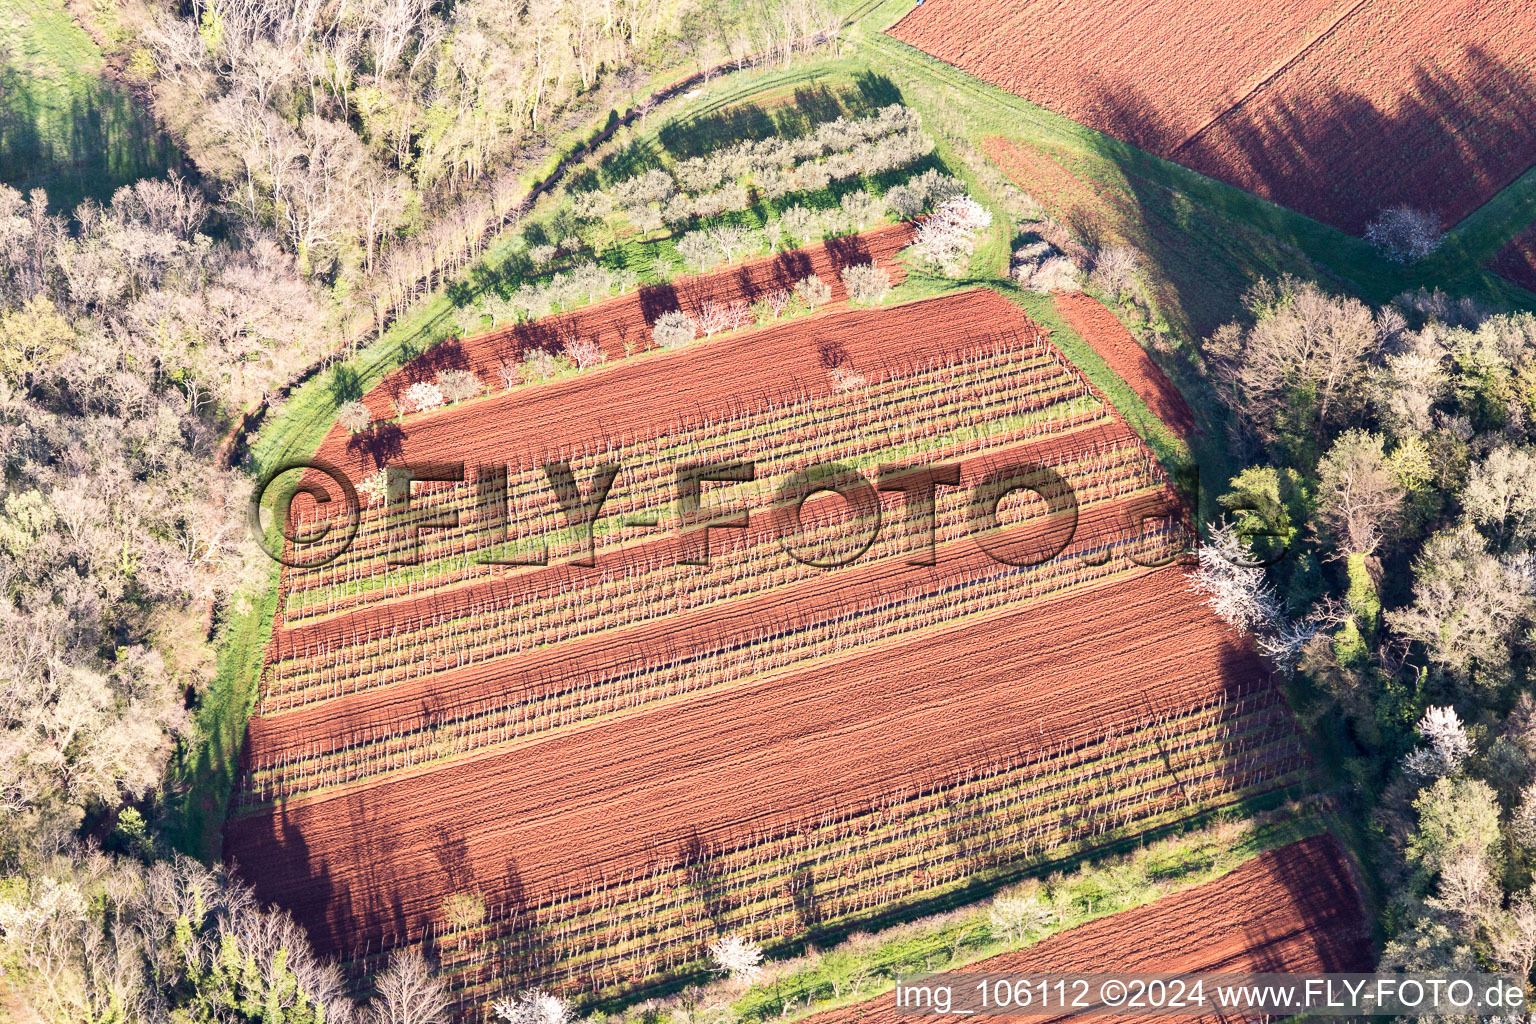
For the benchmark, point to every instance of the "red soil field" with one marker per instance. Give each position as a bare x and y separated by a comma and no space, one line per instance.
629,317
1336,109
1517,260
1109,338
541,818
1291,910
638,396
417,703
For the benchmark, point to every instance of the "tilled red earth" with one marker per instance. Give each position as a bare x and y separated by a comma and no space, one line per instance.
1292,910
1335,108
414,704
639,396
627,319
543,818
1109,338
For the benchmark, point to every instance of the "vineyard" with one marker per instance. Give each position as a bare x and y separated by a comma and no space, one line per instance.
622,750
1335,108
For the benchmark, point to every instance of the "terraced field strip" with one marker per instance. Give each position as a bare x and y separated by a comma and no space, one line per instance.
1291,910
584,802
654,580
1014,388
997,821
614,673
628,319
1109,338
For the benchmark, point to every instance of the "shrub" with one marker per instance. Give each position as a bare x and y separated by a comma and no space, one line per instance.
354,416
457,385
422,397
800,224
373,489
674,328
813,291
584,352
464,910
737,956
538,365
812,177
733,240
510,375
771,306
1116,271
905,202
1056,274
1404,234
947,238
936,187
844,379
1014,917
866,283
677,210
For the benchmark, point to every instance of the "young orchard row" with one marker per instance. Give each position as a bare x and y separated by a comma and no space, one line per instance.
647,586
906,414
907,848
583,693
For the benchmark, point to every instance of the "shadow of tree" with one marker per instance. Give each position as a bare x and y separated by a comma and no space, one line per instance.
86,147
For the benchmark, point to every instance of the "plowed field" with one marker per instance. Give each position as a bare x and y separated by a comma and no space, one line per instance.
1110,339
1292,910
627,319
1336,109
658,390
620,760
544,819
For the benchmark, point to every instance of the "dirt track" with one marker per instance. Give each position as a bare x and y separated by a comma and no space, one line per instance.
1336,108
544,817
1109,338
1294,909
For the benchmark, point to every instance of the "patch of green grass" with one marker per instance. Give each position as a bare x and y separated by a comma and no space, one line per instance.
64,126
201,776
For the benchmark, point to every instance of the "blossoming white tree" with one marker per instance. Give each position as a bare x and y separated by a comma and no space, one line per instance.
738,956
534,1007
423,397
947,238
1448,749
